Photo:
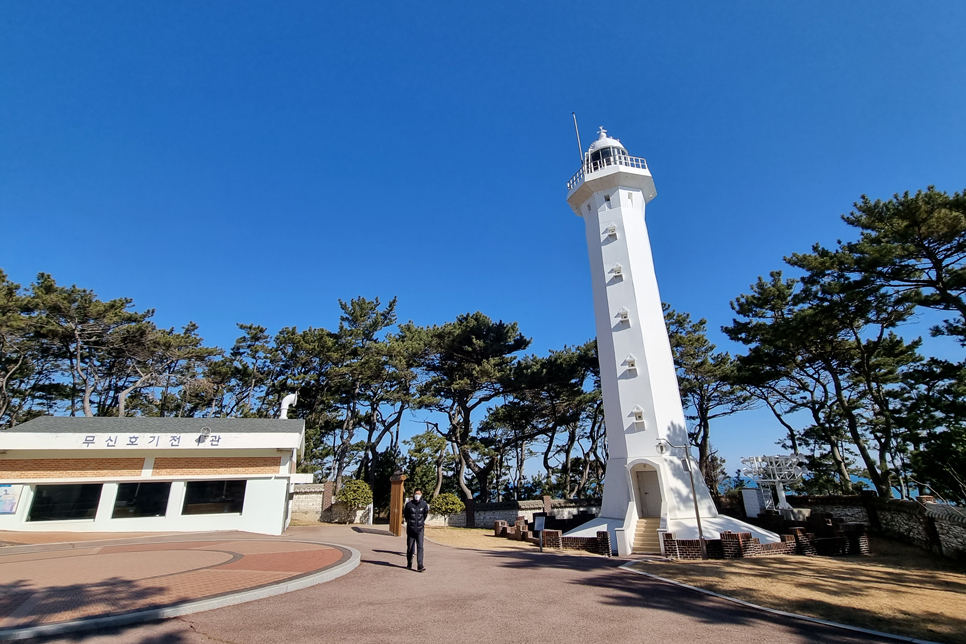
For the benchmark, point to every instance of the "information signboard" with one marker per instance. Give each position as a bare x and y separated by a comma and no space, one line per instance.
9,498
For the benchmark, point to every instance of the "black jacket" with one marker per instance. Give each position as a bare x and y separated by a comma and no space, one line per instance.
415,514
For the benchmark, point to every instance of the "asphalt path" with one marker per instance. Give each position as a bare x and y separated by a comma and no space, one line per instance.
475,596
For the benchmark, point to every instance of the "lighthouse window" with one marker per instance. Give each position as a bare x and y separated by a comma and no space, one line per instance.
607,156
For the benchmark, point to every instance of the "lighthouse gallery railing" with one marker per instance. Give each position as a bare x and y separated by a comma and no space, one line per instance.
593,166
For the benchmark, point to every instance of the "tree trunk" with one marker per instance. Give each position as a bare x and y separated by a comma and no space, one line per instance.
482,475
792,439
855,433
461,477
568,451
122,396
845,479
704,450
4,396
439,473
547,465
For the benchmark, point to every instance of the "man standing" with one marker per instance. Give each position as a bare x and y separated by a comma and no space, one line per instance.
415,514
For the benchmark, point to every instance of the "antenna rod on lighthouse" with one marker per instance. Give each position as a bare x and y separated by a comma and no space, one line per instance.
580,148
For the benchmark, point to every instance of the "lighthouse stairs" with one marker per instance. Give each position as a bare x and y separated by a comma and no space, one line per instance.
646,539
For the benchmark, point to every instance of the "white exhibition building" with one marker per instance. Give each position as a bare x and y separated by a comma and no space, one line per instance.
149,474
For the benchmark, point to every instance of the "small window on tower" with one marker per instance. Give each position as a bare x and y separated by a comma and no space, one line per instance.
630,198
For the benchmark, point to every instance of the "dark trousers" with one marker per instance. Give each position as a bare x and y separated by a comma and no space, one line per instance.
414,541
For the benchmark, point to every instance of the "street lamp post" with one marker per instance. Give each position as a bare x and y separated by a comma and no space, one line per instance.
663,445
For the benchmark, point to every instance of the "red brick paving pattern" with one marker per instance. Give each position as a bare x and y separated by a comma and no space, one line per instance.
95,568
148,547
57,554
260,547
57,586
30,538
284,561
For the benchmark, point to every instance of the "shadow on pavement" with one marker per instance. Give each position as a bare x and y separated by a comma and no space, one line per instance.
384,533
22,605
627,589
108,634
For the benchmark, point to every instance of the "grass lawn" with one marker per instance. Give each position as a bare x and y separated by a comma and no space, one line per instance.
483,539
900,589
475,538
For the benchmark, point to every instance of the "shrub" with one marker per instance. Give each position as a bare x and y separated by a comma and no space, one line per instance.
355,495
446,503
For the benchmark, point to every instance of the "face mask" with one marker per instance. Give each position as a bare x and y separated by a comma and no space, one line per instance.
417,496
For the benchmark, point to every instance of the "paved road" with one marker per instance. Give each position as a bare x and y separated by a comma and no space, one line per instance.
475,596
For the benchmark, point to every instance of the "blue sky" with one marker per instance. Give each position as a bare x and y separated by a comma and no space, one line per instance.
230,162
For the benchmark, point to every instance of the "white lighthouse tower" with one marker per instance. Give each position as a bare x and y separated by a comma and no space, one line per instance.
648,488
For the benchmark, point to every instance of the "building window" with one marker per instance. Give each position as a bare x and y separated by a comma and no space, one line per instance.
214,497
65,502
141,500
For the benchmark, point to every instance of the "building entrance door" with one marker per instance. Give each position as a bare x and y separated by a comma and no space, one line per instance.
648,493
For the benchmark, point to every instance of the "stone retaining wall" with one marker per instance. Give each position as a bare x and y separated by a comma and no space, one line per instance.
311,499
933,526
952,535
447,521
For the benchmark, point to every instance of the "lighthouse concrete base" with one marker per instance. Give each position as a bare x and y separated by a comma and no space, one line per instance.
613,526
714,526
622,530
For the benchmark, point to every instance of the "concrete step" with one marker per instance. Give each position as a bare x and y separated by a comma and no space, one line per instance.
646,538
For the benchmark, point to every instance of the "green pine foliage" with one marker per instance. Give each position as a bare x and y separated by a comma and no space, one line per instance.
446,503
354,495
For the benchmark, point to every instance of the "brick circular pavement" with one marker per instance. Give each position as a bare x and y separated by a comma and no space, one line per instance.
60,588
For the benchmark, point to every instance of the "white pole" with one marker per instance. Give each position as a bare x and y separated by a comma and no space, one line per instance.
580,148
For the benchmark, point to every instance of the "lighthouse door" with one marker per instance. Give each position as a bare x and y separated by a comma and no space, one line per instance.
648,493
